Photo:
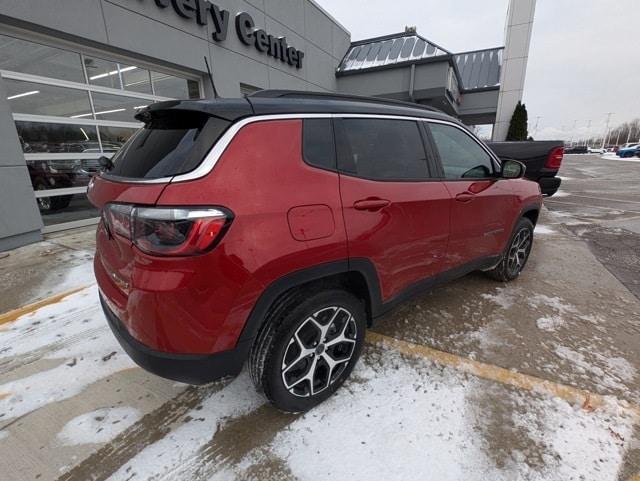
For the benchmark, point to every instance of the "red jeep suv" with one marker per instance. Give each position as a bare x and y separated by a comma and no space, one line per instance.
278,227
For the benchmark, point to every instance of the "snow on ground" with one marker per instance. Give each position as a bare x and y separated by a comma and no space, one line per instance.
3,435
550,323
99,426
610,372
613,156
396,419
72,332
561,193
543,230
504,297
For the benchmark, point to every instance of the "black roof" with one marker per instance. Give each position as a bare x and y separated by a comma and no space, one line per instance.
271,102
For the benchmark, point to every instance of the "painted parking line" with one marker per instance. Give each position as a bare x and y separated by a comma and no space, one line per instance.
21,311
573,395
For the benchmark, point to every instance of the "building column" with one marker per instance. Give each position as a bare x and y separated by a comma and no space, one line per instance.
20,220
518,28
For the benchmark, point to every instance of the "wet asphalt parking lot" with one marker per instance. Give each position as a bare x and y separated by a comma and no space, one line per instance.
534,380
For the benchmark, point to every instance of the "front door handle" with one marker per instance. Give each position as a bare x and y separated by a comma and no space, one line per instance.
464,197
371,204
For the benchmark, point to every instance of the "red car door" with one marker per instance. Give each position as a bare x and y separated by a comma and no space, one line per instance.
482,204
395,213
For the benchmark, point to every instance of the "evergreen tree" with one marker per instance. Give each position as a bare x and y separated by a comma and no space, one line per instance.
518,126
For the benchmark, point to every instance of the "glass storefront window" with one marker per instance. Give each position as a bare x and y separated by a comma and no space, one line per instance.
116,107
174,87
41,99
101,100
35,59
65,208
38,137
103,73
117,75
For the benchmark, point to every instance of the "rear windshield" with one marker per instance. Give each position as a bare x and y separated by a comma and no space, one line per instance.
171,143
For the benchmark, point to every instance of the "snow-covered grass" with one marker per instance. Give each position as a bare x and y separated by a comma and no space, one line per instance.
99,426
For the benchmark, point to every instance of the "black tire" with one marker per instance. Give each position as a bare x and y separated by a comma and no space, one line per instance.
301,312
50,204
510,267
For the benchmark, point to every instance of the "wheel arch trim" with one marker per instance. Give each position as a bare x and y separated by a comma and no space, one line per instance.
295,279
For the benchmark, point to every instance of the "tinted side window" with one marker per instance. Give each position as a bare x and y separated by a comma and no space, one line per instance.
318,146
168,144
382,149
461,156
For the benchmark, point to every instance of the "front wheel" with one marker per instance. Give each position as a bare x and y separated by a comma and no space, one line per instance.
517,253
308,348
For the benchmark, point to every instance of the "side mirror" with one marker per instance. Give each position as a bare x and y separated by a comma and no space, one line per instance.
512,169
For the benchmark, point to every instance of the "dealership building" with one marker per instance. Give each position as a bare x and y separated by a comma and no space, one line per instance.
73,73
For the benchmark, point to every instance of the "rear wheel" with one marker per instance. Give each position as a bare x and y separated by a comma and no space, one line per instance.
517,253
308,348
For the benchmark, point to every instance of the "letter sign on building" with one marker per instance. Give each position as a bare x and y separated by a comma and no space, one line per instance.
246,29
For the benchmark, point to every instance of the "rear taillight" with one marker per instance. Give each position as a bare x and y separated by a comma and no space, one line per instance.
555,158
167,231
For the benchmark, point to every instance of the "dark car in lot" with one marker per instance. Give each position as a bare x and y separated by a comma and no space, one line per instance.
277,228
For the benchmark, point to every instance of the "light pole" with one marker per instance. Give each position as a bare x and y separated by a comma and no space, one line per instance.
535,129
573,131
606,130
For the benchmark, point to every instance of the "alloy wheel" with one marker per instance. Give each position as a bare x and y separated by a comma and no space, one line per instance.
319,351
519,250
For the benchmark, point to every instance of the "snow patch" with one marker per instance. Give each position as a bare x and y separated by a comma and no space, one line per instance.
503,297
72,332
556,303
176,456
560,193
610,372
4,435
99,426
543,229
550,323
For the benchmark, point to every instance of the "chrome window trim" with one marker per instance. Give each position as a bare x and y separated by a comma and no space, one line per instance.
211,159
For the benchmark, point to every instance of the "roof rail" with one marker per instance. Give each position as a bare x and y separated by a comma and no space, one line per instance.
301,94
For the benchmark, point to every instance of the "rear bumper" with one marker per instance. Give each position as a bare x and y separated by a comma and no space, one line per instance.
549,185
187,368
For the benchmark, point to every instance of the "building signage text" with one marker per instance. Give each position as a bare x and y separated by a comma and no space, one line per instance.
202,11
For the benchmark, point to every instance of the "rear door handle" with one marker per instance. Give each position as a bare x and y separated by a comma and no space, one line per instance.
464,197
371,204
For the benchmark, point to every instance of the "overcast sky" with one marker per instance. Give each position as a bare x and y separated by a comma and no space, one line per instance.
584,58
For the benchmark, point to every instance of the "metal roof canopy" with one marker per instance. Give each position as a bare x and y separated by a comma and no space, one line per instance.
475,70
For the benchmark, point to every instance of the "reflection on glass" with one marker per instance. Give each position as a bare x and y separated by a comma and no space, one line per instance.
66,208
61,173
40,99
114,137
178,88
115,107
103,72
136,80
37,137
32,58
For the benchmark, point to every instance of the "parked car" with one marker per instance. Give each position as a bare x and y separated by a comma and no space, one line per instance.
542,158
628,150
597,150
576,149
275,229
